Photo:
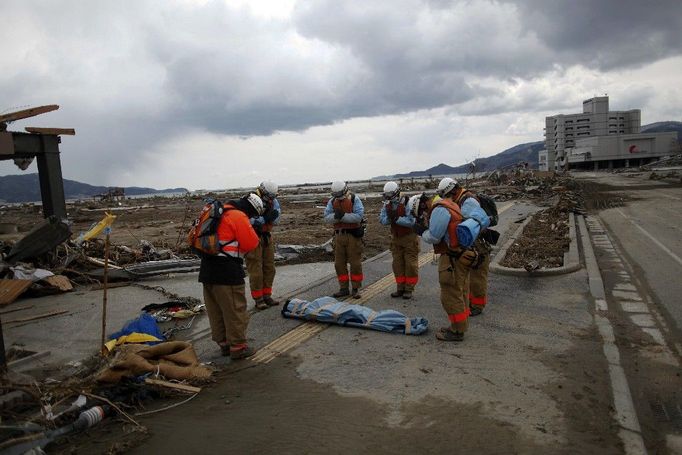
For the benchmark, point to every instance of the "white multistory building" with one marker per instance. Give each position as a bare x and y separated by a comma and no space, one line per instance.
598,138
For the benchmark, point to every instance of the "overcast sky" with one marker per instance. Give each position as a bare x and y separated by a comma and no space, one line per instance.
216,94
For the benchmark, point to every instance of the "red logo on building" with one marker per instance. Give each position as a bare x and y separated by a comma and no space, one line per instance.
634,149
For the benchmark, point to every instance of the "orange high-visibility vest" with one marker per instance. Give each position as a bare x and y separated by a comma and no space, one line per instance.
455,220
345,204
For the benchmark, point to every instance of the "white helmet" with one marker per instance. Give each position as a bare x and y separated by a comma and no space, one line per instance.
339,188
391,191
256,202
446,186
413,204
267,190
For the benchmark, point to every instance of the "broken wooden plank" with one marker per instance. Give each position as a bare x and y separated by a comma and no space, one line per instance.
16,309
99,262
60,282
26,113
10,290
53,131
38,316
173,385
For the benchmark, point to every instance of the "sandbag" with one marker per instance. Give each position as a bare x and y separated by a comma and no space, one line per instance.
173,360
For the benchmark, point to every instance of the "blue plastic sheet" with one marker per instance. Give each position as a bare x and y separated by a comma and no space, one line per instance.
332,311
472,209
467,232
475,220
142,324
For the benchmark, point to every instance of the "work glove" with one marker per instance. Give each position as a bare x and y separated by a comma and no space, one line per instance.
419,229
491,236
271,215
338,213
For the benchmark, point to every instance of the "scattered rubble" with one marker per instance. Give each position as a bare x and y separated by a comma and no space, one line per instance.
148,235
545,238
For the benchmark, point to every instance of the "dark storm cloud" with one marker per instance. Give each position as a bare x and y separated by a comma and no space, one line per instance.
133,75
607,34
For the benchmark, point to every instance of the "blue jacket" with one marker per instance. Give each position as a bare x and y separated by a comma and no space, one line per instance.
406,221
438,226
259,220
355,217
440,218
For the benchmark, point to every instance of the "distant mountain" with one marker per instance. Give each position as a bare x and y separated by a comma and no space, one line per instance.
519,153
26,188
662,127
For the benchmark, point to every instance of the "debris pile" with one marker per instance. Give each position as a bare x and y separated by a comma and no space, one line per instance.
535,186
671,161
138,368
545,238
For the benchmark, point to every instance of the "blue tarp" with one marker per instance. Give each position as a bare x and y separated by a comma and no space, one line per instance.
332,311
142,324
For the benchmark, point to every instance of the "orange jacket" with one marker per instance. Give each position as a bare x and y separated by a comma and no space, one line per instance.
235,233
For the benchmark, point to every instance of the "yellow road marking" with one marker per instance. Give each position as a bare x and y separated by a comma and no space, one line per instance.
307,330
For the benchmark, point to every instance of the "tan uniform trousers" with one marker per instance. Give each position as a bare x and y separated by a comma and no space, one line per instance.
405,251
453,278
260,264
227,315
478,277
348,250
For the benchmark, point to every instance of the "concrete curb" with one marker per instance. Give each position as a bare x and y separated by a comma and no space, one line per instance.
571,258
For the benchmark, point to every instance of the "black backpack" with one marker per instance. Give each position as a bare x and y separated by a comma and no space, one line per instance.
489,207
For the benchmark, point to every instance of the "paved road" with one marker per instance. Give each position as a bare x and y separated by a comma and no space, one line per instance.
514,385
638,246
648,228
531,376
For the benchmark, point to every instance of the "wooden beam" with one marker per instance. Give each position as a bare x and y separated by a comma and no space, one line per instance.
26,113
53,131
37,316
173,385
10,290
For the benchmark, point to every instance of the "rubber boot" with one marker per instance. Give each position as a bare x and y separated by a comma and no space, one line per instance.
475,310
343,292
241,353
269,301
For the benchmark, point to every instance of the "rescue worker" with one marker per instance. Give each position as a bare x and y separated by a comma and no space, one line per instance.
222,277
454,262
346,212
404,241
478,275
260,263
